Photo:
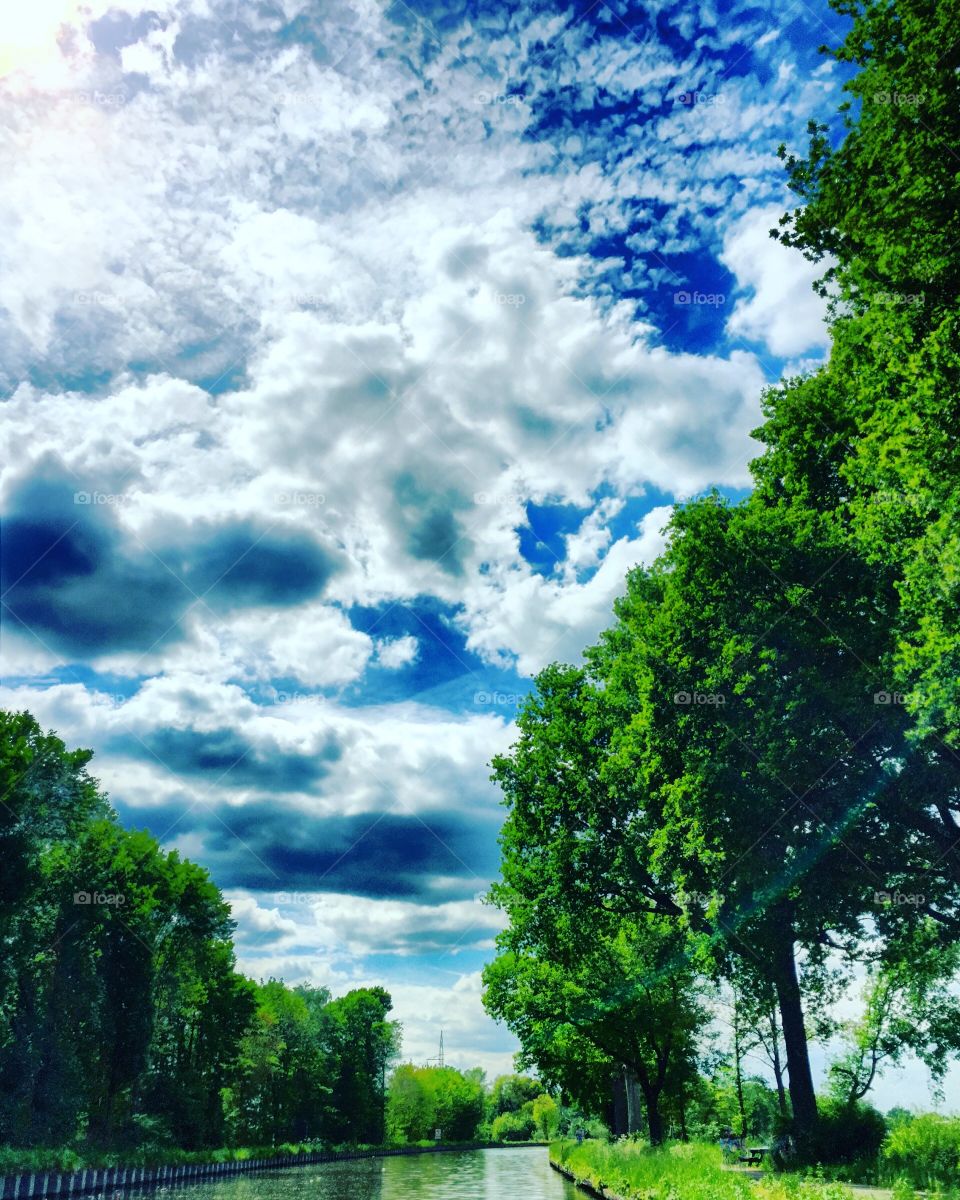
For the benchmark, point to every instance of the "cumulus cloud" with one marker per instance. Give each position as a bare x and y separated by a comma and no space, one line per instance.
783,312
397,652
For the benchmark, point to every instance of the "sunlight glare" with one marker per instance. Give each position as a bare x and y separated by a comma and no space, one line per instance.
29,30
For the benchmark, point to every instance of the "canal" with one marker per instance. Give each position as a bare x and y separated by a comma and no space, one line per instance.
522,1174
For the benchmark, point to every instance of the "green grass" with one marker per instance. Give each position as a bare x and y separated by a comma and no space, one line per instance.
15,1161
637,1172
682,1171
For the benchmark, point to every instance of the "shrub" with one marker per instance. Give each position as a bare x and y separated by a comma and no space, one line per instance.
846,1133
513,1127
925,1150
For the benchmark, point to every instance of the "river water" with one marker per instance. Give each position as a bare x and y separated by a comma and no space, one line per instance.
521,1174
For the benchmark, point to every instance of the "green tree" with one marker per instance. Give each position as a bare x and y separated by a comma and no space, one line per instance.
362,1044
880,196
511,1092
546,1116
908,1009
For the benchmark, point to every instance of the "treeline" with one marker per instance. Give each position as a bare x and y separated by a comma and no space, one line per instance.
123,1019
516,1108
751,789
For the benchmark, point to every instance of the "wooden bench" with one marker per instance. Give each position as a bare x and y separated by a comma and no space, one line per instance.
754,1156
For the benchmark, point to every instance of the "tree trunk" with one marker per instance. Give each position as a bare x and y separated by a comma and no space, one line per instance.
802,1095
777,1065
738,1058
633,1101
619,1123
651,1096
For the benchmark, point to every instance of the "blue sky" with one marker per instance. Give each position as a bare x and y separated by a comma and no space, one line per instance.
352,355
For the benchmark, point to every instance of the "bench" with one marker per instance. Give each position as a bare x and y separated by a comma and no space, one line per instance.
754,1156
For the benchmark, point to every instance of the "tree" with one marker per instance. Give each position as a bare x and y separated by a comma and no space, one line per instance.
362,1044
880,196
122,1016
756,740
546,1116
632,1000
511,1092
908,1008
424,1099
411,1110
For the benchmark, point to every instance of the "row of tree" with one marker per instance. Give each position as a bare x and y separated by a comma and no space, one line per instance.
124,1022
123,1019
424,1100
754,780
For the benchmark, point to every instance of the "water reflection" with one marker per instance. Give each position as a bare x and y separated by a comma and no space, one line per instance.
520,1174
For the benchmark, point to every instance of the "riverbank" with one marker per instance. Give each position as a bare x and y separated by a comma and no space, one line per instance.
631,1170
38,1183
634,1171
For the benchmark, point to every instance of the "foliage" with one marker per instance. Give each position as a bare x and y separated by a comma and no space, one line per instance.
906,1009
514,1126
761,752
634,1169
848,1132
424,1099
511,1092
715,1110
125,1028
925,1150
590,992
546,1117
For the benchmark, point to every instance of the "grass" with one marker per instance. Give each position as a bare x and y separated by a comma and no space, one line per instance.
683,1171
16,1161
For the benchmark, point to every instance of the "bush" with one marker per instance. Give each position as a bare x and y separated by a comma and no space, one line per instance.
847,1134
513,1127
925,1150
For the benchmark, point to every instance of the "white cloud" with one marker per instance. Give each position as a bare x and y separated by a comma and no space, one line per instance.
404,757
783,313
393,653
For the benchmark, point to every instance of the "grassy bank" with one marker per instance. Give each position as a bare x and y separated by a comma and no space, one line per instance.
61,1158
683,1171
15,1161
633,1170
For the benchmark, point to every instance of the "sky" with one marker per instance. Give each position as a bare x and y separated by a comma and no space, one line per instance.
352,353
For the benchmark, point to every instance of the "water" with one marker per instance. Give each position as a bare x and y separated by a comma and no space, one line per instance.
520,1174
